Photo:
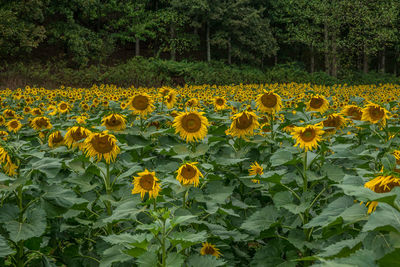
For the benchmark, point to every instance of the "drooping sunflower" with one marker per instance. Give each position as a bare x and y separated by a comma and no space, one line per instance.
307,137
333,122
3,135
188,173
396,154
243,124
37,112
141,104
75,136
56,139
269,102
191,126
52,110
219,103
210,249
318,103
255,169
41,123
353,111
101,145
14,125
170,99
374,114
63,107
115,122
380,184
9,114
5,160
146,182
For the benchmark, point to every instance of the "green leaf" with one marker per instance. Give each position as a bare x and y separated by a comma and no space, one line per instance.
5,249
391,259
174,260
340,246
62,197
34,225
334,173
260,220
49,166
227,162
127,239
125,211
148,259
182,219
114,254
280,157
330,213
187,239
385,217
204,260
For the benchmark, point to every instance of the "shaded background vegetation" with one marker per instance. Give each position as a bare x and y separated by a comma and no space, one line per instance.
80,42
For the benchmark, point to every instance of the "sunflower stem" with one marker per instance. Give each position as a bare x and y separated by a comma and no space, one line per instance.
305,172
107,203
154,204
20,247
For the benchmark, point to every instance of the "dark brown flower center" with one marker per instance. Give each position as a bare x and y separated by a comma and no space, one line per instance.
113,121
63,106
332,122
188,172
355,113
209,250
269,100
57,138
244,121
220,101
102,144
308,135
191,123
140,102
385,189
41,123
376,113
78,134
147,182
316,102
14,124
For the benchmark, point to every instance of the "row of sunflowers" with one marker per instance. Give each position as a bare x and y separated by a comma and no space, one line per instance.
266,175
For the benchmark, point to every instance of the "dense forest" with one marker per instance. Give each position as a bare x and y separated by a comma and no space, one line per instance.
333,36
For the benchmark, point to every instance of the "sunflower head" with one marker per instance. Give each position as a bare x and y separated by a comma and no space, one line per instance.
318,103
37,112
41,123
191,126
256,169
7,163
14,125
307,137
374,114
141,104
243,124
352,111
193,102
52,109
2,120
333,122
56,139
114,122
63,107
396,154
75,136
146,182
269,102
210,249
381,184
3,135
101,145
9,114
188,173
170,99
219,103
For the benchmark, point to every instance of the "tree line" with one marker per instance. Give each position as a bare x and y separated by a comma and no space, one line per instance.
327,35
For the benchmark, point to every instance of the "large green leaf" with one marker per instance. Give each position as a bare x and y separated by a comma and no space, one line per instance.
187,239
385,217
114,254
260,220
5,249
203,261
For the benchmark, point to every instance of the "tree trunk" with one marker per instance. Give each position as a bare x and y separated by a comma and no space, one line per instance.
312,59
334,56
137,47
326,44
383,60
365,63
208,41
229,51
173,48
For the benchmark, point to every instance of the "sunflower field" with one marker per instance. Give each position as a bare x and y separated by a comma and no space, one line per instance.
241,175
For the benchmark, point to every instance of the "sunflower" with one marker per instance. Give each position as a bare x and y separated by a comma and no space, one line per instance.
318,103
269,102
14,125
3,135
114,122
307,137
101,145
256,169
191,126
353,111
380,184
63,107
333,122
75,135
37,112
188,173
41,123
81,119
5,160
243,124
27,110
374,114
146,182
2,120
9,114
141,104
396,154
52,110
123,105
219,103
170,99
56,139
193,102
209,249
